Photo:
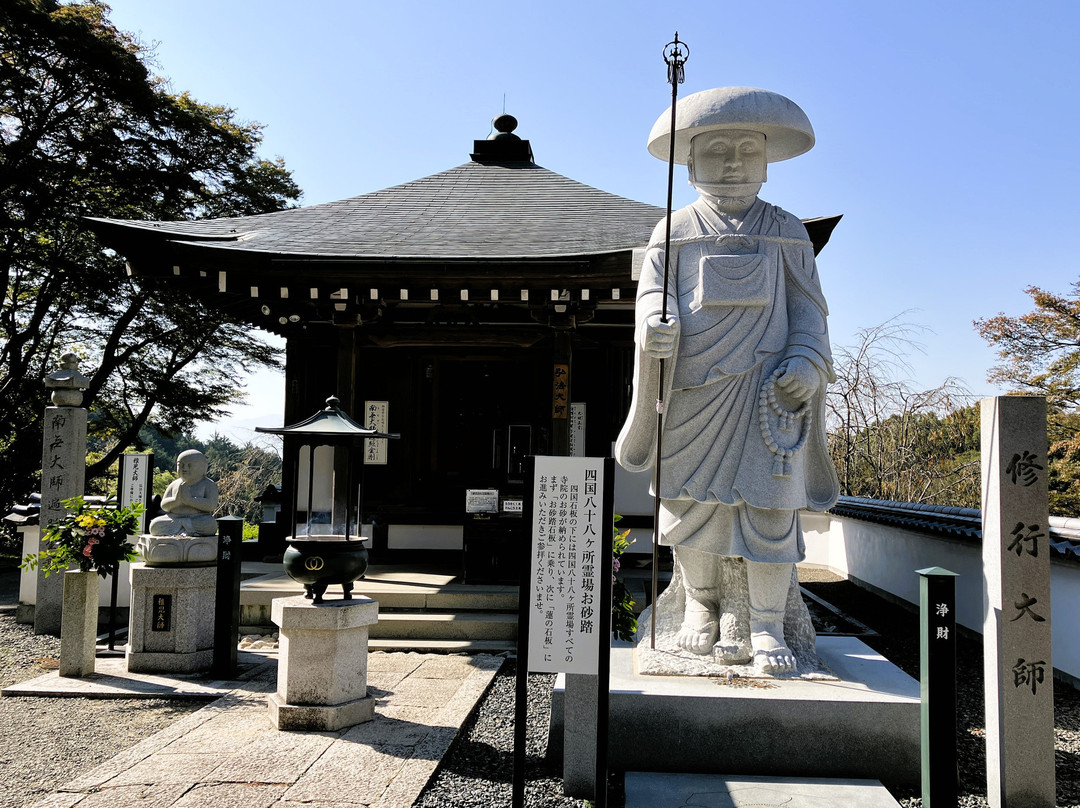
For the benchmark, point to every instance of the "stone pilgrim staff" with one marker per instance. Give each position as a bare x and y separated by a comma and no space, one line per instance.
741,330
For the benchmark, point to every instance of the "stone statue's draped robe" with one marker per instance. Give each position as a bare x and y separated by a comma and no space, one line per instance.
747,297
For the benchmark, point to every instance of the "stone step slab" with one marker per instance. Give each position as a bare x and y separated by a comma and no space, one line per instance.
444,646
656,790
445,626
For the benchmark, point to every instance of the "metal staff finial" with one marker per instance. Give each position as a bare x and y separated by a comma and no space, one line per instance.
675,55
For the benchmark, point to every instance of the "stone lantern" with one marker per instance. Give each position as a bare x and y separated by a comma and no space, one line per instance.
325,546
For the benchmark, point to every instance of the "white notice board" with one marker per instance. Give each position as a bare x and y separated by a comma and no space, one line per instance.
577,429
136,477
569,540
375,417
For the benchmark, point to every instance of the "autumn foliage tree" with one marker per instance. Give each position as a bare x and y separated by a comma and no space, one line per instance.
86,129
1040,355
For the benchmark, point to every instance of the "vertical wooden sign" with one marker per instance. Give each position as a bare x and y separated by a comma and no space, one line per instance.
937,682
376,416
1016,617
560,391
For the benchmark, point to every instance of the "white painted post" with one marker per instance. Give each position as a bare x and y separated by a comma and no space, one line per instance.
63,475
1016,604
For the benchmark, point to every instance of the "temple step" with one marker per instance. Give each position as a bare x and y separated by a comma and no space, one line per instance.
418,610
427,625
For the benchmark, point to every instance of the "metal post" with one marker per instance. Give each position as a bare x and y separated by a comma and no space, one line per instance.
675,57
227,596
521,692
112,607
937,681
603,673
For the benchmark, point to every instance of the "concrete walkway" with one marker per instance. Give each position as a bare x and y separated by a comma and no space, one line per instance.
229,755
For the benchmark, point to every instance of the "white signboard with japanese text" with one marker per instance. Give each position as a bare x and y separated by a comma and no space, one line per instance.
568,540
481,500
577,429
375,417
135,482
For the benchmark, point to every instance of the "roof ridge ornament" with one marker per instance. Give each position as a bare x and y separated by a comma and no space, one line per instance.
503,146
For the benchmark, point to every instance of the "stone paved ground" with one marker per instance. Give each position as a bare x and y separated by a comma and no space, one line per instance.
229,754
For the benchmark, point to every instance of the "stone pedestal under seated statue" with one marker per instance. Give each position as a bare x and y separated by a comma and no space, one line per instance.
865,724
172,619
322,663
178,551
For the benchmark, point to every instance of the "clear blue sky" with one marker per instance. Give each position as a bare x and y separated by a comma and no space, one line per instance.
945,130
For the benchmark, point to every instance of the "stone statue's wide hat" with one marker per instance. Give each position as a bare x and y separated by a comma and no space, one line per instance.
787,130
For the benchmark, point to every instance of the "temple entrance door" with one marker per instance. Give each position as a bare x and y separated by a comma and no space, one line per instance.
489,415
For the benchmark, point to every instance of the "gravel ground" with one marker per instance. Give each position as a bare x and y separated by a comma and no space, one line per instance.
46,742
899,643
478,768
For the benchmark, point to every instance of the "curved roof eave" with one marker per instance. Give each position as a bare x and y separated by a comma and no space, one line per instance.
476,211
416,257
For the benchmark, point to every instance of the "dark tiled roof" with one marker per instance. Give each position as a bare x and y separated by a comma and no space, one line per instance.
963,524
475,211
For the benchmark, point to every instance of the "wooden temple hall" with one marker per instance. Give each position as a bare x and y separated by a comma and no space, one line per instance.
485,313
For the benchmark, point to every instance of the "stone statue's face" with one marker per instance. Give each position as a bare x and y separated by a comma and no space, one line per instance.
191,467
728,157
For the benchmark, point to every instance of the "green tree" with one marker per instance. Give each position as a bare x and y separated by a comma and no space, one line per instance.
242,471
87,130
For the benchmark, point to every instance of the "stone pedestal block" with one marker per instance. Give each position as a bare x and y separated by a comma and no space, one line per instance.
78,628
172,619
864,724
322,663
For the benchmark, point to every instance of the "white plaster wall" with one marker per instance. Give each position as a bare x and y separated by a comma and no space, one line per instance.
887,558
425,537
28,580
1064,608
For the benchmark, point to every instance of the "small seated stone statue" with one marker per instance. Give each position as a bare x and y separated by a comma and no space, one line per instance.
190,501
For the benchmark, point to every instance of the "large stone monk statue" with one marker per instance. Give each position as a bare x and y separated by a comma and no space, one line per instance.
747,360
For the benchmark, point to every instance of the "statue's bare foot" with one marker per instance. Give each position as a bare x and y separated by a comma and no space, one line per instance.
771,656
699,629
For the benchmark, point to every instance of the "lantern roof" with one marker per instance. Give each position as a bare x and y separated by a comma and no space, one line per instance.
330,422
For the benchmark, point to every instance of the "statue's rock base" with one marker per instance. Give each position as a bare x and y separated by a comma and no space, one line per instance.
731,655
864,724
